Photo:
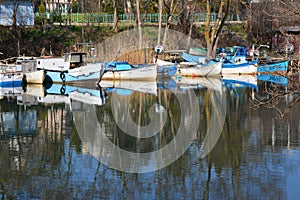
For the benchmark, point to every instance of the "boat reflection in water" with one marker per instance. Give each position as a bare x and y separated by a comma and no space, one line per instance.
10,91
59,93
273,78
164,124
236,81
212,83
127,87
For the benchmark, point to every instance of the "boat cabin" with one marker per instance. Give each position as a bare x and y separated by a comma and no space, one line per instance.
236,54
69,61
77,59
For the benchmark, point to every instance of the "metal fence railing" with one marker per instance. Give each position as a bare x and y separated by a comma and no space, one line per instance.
130,18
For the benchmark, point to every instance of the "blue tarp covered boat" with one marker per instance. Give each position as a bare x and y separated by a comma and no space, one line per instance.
281,66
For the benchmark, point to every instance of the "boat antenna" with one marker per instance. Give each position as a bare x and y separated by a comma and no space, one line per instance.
117,53
50,50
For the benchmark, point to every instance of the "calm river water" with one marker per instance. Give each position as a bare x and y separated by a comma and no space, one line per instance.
221,138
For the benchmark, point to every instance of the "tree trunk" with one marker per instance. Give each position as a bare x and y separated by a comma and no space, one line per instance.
115,27
159,23
14,17
170,14
69,13
139,22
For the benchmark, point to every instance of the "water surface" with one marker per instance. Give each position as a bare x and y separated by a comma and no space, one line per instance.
44,155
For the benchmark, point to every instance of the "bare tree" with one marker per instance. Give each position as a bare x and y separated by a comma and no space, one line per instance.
267,16
213,27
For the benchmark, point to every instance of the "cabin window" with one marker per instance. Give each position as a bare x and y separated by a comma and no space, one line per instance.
75,58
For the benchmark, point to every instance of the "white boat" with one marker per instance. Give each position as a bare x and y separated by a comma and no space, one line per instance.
24,66
125,71
74,68
236,62
30,72
212,68
10,76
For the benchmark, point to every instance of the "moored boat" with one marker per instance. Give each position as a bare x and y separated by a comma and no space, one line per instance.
74,68
236,62
126,71
10,76
211,68
71,68
26,66
280,67
34,77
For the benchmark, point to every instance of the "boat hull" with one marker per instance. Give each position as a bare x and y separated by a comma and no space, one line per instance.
244,68
279,67
148,73
10,79
161,63
201,70
93,71
35,77
90,72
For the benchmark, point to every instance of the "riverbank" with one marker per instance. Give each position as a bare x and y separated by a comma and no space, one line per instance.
58,39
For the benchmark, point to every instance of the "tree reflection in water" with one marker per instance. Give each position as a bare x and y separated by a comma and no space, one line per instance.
254,157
